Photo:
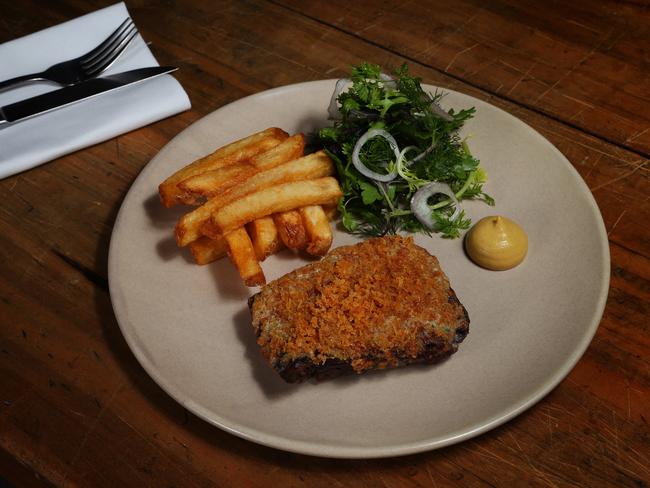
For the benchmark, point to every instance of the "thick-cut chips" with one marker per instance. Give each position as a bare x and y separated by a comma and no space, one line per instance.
264,236
280,198
242,254
206,250
291,229
241,150
287,150
217,181
315,165
331,211
255,196
317,227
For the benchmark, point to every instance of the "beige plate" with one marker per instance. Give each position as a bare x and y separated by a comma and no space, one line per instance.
189,326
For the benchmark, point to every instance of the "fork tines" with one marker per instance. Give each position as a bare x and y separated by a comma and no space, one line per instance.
100,58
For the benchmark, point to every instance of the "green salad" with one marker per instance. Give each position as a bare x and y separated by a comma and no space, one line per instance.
401,163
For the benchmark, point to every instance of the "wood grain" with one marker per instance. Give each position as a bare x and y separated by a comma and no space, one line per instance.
77,409
582,62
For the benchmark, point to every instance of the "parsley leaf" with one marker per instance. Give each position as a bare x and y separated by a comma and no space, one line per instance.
369,193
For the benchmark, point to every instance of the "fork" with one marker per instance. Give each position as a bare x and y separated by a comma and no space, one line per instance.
88,65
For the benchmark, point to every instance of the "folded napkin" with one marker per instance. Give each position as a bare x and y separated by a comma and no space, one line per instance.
29,143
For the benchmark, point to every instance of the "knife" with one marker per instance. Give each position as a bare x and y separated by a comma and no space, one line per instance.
47,102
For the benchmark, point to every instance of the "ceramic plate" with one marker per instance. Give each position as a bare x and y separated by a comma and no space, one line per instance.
189,326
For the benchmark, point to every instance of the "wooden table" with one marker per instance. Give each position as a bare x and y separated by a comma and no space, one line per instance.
76,408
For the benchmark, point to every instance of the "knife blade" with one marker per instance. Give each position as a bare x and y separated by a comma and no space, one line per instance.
63,97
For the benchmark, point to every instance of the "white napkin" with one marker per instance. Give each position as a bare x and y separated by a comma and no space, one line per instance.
27,144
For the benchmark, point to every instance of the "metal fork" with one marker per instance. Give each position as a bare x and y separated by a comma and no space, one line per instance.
86,66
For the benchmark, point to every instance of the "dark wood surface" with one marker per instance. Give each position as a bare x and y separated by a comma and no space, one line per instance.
75,406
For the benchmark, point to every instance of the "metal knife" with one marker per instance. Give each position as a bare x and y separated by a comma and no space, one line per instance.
47,102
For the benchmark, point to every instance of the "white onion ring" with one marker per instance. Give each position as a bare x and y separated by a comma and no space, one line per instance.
424,153
403,152
440,112
363,169
333,108
402,161
388,80
420,206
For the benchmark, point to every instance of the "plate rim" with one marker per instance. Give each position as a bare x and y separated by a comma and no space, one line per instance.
329,450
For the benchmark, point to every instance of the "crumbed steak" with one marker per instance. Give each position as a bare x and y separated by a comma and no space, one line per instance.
382,303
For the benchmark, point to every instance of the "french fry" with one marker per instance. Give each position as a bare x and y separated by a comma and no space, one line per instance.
242,254
287,150
280,198
331,211
291,229
264,236
315,165
243,149
317,227
217,181
206,250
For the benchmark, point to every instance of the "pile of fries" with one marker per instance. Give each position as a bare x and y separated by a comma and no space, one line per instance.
253,197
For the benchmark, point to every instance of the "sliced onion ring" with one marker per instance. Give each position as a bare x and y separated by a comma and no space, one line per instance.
388,80
362,168
425,152
403,152
402,162
333,108
421,209
440,112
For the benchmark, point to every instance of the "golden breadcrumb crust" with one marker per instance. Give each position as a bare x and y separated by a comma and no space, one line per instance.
384,297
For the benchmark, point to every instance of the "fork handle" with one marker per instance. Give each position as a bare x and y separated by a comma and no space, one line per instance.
19,80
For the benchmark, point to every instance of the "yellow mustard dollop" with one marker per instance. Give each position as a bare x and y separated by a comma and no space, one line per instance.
496,243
